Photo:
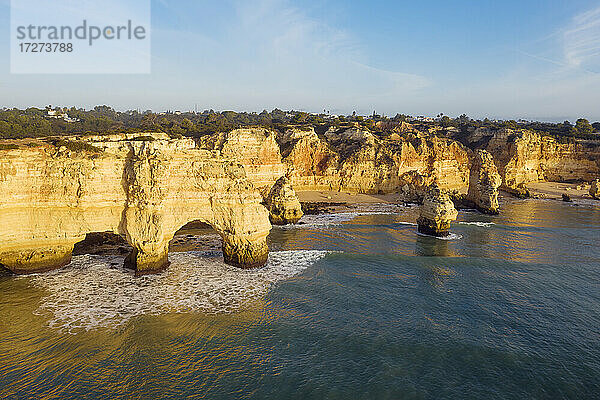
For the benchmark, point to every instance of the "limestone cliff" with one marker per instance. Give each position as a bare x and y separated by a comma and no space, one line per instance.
595,189
437,212
484,182
255,148
315,164
143,187
357,161
345,159
523,157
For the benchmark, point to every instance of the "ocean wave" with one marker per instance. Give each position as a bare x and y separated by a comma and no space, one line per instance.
451,236
407,223
480,224
333,219
92,293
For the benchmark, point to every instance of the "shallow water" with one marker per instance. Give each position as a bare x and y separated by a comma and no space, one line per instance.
351,306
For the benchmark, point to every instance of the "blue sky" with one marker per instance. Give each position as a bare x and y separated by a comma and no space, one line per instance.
500,59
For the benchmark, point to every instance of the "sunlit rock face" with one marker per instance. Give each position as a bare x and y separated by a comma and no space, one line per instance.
143,187
484,182
344,159
595,189
523,157
357,161
256,149
437,212
315,163
283,204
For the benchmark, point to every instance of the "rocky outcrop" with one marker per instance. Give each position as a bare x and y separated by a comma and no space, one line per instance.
143,187
283,204
523,157
437,212
595,189
315,164
255,148
484,182
357,161
350,158
345,159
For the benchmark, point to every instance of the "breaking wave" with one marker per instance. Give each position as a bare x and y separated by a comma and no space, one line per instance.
451,236
337,218
480,224
92,293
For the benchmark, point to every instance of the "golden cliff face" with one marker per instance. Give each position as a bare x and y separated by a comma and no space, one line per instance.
525,157
143,189
255,148
346,160
354,160
357,161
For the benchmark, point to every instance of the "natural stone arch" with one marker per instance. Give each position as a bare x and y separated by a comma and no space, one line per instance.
142,189
196,236
102,243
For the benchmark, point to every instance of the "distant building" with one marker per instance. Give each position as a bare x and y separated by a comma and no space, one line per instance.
420,118
55,114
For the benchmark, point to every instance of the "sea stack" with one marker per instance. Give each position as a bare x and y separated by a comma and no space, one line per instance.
484,182
595,189
437,212
283,204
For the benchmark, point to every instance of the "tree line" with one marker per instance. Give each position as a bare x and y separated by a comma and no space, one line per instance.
35,122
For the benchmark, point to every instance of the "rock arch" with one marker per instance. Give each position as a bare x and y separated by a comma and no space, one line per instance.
142,187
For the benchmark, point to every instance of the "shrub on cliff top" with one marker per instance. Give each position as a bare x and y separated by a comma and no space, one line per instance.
8,146
145,138
76,146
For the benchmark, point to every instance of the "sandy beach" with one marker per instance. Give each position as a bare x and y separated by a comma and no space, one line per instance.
346,197
555,190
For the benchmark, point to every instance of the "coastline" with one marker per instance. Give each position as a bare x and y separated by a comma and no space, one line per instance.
555,190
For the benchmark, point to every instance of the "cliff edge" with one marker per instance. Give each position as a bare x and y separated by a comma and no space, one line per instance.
143,187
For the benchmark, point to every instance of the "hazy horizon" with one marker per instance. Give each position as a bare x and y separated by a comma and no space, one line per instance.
533,60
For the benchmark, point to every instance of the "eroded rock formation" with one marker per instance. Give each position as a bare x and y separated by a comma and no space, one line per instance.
142,187
437,212
357,161
256,149
349,158
345,159
595,189
484,182
523,157
283,204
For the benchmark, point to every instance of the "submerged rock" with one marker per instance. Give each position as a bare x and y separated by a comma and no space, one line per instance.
484,182
437,212
595,189
283,204
566,198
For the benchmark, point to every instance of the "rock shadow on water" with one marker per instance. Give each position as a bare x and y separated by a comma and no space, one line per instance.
431,246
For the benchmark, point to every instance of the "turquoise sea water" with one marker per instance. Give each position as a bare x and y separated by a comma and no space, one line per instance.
351,306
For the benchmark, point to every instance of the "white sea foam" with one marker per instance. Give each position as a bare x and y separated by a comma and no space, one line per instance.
480,224
322,220
451,236
333,219
91,292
